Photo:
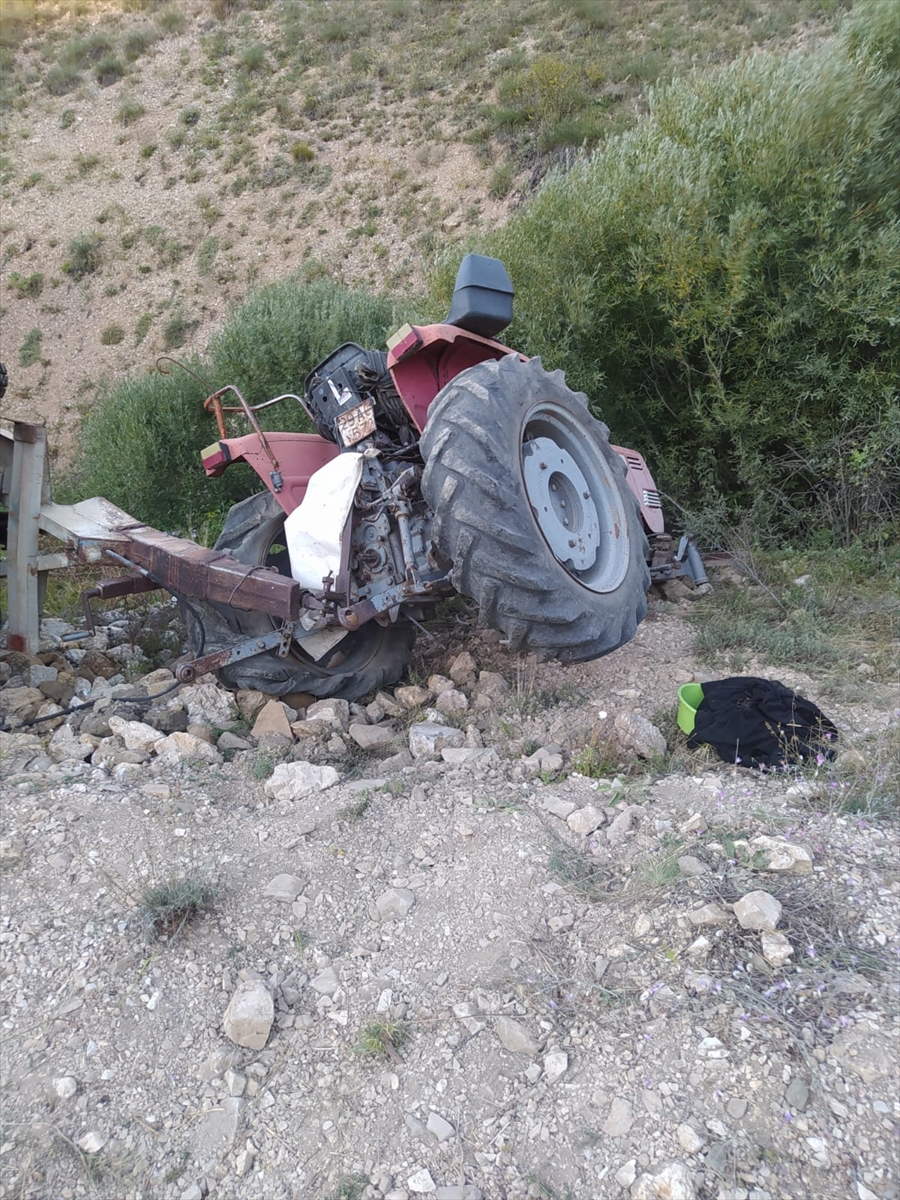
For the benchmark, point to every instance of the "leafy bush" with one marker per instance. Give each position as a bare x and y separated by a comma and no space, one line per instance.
140,443
177,330
278,335
138,42
83,52
726,274
140,446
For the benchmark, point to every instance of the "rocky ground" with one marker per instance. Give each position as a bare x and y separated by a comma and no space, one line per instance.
482,937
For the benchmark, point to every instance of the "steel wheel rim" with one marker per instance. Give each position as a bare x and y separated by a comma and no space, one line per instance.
575,499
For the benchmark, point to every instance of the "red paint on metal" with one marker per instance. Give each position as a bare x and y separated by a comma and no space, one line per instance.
214,464
640,481
443,352
299,456
403,347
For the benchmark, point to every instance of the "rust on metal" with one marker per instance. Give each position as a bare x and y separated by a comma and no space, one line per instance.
213,575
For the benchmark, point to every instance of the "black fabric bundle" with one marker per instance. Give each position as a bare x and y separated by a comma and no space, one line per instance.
761,723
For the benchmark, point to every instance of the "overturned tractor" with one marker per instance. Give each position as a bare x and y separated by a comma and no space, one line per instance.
450,463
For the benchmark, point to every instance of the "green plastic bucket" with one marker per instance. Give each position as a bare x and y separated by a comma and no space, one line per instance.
689,698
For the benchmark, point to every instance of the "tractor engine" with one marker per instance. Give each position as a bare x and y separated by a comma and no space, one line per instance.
352,401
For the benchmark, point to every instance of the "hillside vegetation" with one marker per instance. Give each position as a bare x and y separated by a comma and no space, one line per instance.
162,160
719,272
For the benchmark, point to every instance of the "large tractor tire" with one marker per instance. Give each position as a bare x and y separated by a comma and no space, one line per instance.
368,658
532,508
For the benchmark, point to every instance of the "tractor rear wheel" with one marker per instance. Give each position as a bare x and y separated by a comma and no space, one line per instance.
368,658
532,508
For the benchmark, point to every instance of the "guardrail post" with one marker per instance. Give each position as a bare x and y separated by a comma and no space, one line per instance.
25,583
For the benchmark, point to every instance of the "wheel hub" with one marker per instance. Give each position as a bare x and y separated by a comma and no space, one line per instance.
561,501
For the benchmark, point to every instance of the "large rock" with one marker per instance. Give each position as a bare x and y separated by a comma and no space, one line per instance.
620,1118
21,702
37,673
462,669
249,1015
293,781
492,685
187,748
209,703
372,737
451,702
335,712
249,701
412,696
516,1037
709,914
636,733
67,746
674,1182
284,887
427,739
135,734
623,823
781,856
439,684
394,904
273,717
21,752
586,820
758,910
776,949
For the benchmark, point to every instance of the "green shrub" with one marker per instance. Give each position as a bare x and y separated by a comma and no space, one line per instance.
142,327
501,181
83,52
302,152
30,350
171,20
209,248
67,118
724,277
139,41
84,256
149,428
130,111
109,70
272,341
253,57
27,286
177,330
112,335
59,81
